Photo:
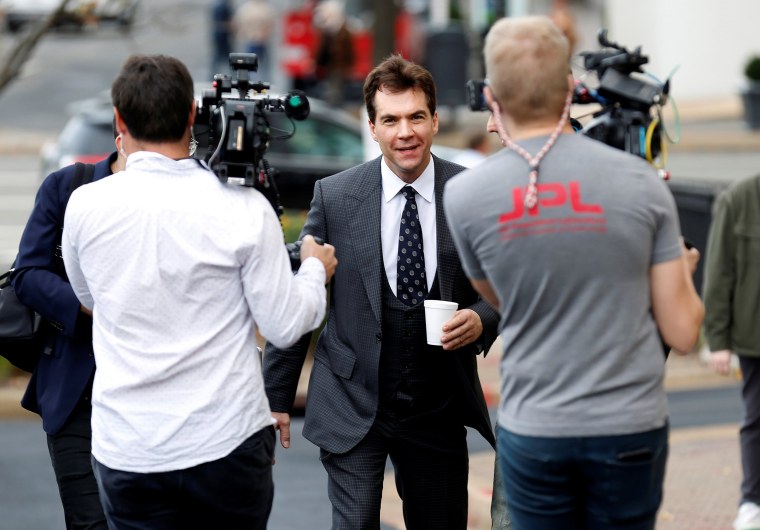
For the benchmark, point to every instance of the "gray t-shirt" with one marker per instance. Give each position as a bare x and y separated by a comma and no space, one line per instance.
582,355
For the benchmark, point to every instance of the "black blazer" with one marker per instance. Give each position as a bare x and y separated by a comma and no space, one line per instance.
343,390
60,379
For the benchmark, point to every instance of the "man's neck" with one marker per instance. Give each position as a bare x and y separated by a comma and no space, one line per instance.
524,132
175,149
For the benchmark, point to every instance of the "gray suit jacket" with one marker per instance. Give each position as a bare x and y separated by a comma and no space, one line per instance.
343,390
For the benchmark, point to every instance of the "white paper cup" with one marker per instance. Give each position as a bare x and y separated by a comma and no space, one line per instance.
437,313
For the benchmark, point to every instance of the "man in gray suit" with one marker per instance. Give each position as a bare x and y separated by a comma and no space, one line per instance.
377,389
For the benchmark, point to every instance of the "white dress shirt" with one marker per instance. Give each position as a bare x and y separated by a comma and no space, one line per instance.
179,270
390,215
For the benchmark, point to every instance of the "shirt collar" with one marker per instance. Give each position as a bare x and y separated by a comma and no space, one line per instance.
155,159
424,185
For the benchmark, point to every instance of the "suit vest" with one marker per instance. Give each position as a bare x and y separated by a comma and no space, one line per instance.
415,377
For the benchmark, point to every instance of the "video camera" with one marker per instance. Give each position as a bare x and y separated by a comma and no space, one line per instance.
625,120
233,133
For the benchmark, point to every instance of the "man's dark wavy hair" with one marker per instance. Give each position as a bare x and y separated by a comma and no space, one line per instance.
154,96
396,74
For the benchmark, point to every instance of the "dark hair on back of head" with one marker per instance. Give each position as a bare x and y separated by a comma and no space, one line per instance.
397,75
154,96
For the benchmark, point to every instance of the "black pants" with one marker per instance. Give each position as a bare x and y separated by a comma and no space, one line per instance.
234,492
70,455
429,455
749,435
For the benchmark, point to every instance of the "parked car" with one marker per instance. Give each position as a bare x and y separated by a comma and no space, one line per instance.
18,13
327,142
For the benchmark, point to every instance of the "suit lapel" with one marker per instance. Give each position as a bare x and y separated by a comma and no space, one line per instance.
363,213
446,265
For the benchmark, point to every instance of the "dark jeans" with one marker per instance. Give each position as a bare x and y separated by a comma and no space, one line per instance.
429,455
588,483
70,455
749,435
234,492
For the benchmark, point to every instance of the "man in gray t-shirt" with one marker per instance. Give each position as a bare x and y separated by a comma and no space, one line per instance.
578,245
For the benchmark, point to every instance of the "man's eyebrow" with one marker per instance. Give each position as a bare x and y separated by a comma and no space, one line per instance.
421,110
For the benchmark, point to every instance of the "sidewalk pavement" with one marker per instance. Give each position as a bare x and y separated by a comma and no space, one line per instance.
703,474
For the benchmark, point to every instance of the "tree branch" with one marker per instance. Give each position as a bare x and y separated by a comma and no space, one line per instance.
12,65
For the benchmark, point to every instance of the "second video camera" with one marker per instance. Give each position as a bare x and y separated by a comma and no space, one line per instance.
625,120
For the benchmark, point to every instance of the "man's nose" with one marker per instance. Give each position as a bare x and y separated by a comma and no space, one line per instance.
491,125
404,128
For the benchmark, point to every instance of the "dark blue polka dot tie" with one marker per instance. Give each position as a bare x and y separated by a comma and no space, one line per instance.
412,284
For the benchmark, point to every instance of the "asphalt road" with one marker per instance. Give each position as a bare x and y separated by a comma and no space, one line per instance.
29,499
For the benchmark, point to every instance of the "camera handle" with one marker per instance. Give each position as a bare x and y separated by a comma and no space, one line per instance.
294,252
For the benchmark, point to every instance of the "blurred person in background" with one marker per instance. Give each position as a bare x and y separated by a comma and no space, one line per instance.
221,36
335,52
478,149
60,388
732,295
561,15
254,23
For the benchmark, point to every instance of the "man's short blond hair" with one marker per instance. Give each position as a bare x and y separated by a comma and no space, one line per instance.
527,63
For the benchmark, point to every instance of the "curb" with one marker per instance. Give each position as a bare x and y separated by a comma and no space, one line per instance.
21,142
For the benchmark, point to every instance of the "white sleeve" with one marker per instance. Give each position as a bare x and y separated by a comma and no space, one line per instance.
284,306
71,256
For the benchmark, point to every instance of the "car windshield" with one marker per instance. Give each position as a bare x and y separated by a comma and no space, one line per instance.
315,137
82,136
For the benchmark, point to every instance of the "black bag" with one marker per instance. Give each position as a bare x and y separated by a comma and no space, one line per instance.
24,334
21,339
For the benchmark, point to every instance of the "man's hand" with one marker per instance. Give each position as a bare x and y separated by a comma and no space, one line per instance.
691,255
720,361
324,253
283,425
463,328
84,310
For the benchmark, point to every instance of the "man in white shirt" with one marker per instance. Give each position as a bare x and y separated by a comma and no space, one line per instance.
179,271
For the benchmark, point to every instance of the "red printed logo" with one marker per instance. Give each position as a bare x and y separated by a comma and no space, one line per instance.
583,217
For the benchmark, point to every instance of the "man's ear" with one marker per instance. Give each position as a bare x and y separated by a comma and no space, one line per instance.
121,127
191,118
488,95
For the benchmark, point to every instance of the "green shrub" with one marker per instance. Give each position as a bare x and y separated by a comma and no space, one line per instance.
5,368
292,222
752,68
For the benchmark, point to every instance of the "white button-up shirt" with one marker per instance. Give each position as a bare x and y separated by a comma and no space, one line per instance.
390,215
179,269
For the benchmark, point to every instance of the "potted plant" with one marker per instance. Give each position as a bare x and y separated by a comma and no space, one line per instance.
751,95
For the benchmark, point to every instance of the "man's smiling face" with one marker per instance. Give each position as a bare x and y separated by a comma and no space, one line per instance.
404,129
